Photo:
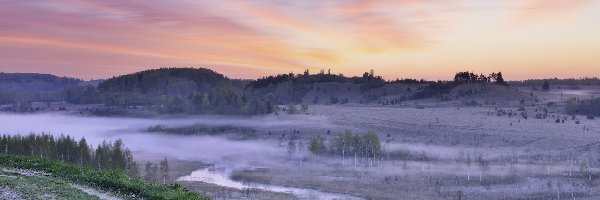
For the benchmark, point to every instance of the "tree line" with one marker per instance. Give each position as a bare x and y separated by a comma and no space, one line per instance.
364,147
556,81
67,149
291,88
204,91
321,77
470,77
442,87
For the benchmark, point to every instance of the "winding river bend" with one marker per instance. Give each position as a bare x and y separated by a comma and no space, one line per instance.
230,154
220,176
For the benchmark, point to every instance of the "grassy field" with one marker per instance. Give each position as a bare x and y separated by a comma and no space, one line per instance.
60,173
38,187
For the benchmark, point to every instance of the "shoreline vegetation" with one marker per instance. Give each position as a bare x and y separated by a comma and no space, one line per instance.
109,166
116,181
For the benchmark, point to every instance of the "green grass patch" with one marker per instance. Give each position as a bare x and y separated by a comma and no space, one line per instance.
35,187
111,180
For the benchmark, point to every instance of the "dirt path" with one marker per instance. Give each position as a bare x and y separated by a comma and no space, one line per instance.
100,194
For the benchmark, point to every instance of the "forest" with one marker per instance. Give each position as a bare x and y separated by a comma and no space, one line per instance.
366,146
29,87
204,91
67,149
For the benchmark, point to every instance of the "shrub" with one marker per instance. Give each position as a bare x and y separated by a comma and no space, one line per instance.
292,109
470,103
334,100
316,100
317,145
304,107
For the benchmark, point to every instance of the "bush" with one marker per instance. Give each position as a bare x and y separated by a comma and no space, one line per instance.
470,103
317,145
304,107
334,100
315,100
292,109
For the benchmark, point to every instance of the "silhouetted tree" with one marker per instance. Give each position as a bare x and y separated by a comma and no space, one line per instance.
500,79
546,86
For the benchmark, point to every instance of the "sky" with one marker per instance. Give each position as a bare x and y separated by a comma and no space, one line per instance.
429,39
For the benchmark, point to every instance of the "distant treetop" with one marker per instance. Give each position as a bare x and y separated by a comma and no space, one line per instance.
470,77
321,77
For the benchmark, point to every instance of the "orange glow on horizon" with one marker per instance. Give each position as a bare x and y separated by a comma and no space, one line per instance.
398,39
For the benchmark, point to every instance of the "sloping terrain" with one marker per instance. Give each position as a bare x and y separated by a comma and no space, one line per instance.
28,87
25,184
32,178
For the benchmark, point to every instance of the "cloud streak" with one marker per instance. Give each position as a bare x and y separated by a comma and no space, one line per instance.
248,39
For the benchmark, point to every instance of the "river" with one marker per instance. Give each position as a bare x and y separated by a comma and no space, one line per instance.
219,151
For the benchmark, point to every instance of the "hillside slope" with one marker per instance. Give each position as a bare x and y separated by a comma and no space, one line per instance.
29,87
32,178
172,90
34,82
173,81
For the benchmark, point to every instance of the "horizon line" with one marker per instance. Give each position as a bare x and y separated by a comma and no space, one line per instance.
275,74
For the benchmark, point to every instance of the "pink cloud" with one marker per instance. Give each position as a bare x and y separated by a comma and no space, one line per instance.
234,36
540,10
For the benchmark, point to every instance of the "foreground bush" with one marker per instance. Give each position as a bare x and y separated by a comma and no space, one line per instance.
113,180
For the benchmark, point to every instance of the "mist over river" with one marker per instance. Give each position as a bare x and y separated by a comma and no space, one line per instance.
148,145
218,150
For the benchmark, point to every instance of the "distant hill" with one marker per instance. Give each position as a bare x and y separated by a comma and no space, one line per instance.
173,90
204,91
176,81
29,87
34,82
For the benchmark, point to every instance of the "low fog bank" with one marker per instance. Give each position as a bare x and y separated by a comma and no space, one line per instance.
152,146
